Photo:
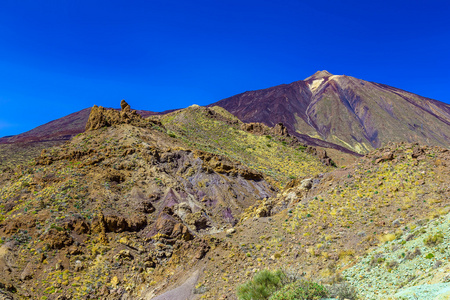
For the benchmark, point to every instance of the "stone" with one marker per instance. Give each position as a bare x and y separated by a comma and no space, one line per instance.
78,266
182,210
101,117
124,105
417,152
231,231
115,223
164,224
124,254
180,231
198,219
59,266
280,129
397,222
387,156
306,184
27,273
58,239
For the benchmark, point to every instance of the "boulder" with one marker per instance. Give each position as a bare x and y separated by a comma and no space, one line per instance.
280,129
417,152
124,105
58,239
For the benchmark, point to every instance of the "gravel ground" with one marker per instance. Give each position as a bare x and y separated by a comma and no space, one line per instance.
406,268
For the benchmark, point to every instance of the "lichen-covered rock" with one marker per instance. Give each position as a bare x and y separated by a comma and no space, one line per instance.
58,239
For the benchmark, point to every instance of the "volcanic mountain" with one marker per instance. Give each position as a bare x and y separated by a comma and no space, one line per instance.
347,111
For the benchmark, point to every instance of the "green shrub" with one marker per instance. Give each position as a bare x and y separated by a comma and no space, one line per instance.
433,240
262,286
300,290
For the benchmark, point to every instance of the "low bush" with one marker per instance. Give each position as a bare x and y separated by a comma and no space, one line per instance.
262,286
300,290
433,240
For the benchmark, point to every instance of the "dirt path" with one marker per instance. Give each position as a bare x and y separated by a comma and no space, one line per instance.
182,292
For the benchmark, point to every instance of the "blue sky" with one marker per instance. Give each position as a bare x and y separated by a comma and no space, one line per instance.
60,56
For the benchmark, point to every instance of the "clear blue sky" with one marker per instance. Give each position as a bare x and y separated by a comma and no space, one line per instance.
60,56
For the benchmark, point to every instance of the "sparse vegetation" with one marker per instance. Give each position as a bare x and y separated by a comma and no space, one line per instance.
123,208
262,286
433,240
300,290
342,291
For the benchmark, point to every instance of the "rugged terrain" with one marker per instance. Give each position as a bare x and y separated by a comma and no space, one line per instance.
129,207
356,114
21,148
196,202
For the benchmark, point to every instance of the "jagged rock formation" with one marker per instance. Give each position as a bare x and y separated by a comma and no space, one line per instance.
21,148
101,117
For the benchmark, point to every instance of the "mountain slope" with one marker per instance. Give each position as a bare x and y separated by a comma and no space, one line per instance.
270,152
133,208
353,113
129,208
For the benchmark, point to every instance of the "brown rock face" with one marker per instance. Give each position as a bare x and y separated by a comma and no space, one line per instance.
58,239
260,129
170,225
321,154
101,117
385,157
224,165
124,105
255,128
114,223
197,219
280,129
180,231
79,225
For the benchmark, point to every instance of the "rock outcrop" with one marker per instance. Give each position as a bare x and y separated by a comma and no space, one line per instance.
101,117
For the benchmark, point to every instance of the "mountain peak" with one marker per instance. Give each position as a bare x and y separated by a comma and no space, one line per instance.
319,75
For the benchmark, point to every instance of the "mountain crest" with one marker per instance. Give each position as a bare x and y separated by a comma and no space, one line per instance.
319,75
